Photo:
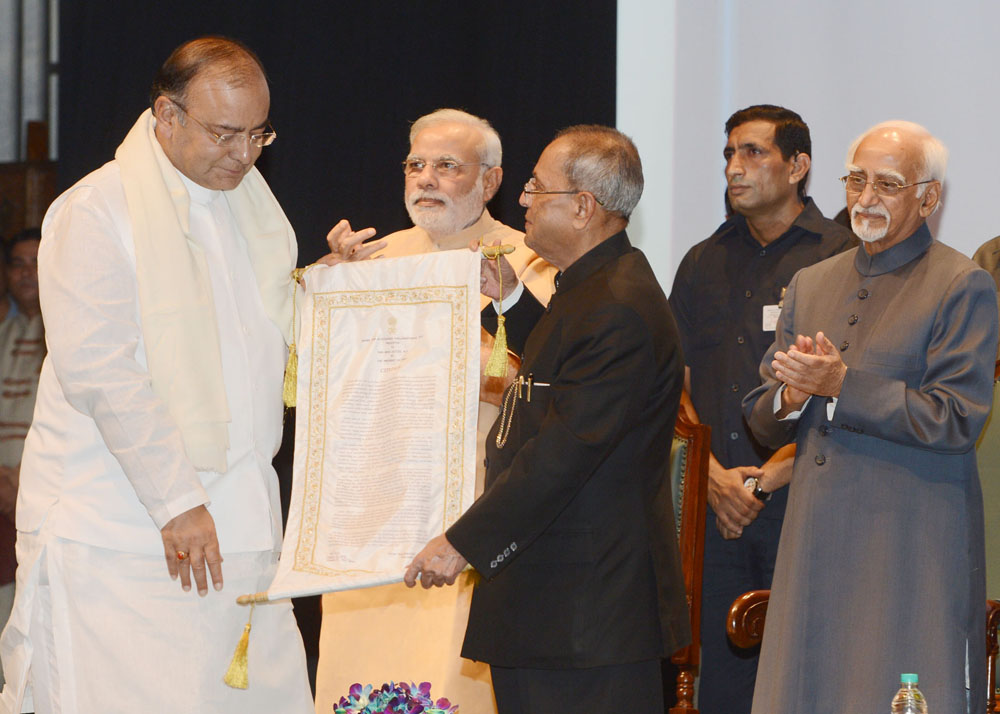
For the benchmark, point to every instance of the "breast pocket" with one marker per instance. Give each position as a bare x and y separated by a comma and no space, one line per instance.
711,314
523,408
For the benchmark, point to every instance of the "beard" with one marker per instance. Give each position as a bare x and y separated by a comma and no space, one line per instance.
452,215
863,227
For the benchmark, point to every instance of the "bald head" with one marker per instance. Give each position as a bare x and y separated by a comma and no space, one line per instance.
927,150
894,182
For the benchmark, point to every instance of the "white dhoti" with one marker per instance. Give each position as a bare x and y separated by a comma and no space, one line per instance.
96,630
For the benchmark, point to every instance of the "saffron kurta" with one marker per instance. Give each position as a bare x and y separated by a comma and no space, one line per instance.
880,566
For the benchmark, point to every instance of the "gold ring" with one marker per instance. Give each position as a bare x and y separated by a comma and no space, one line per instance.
182,555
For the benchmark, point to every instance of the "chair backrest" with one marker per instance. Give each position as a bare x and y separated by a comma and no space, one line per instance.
689,481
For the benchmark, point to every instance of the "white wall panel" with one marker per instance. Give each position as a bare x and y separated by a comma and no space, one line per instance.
843,66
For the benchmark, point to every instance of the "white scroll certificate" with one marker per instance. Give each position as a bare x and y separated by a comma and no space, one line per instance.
385,435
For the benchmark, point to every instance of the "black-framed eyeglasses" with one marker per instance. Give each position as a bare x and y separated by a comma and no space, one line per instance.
259,141
530,190
442,167
854,183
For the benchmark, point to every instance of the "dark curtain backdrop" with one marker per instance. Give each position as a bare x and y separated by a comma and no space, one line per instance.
347,78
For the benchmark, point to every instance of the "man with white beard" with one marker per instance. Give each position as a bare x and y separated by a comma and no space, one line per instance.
451,172
882,374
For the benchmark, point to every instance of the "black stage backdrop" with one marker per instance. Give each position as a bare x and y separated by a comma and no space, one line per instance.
347,79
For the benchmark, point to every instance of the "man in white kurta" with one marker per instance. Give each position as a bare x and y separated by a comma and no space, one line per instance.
163,277
452,171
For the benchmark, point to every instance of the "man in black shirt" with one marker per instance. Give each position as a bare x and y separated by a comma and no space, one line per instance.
726,298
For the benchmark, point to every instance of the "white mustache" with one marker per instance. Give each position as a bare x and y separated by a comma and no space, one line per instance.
432,195
878,210
862,227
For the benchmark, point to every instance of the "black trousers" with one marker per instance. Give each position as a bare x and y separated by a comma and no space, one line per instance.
636,688
732,567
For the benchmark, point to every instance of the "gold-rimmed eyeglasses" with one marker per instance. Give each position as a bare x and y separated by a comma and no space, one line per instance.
531,189
259,141
854,183
442,167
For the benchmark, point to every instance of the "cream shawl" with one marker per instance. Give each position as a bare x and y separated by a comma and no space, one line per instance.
179,326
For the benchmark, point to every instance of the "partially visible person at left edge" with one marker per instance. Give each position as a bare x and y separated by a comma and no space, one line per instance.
166,289
22,348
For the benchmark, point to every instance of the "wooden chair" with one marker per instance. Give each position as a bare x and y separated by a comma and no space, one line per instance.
745,628
689,483
992,620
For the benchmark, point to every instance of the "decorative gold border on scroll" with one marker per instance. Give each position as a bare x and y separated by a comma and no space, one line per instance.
456,296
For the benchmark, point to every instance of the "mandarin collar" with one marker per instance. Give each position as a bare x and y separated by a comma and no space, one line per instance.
896,256
591,261
198,193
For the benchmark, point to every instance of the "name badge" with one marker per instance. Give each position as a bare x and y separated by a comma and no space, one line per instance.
769,318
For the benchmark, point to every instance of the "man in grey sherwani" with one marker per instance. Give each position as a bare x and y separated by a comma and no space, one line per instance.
881,372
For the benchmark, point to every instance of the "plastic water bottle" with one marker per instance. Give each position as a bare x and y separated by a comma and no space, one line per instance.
909,699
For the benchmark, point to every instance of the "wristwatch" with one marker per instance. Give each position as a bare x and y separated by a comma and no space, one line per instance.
753,486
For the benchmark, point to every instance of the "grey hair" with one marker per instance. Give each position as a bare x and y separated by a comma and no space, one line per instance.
490,151
934,154
605,162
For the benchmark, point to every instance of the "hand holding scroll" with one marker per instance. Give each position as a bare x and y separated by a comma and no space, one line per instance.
437,564
489,281
347,245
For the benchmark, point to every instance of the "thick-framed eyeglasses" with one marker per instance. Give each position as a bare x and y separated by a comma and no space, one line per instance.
882,187
530,189
259,141
442,167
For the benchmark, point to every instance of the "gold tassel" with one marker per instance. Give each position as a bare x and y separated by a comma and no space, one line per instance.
237,676
288,391
496,365
291,384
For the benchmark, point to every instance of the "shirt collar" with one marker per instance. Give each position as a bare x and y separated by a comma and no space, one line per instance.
809,223
811,219
895,257
591,261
